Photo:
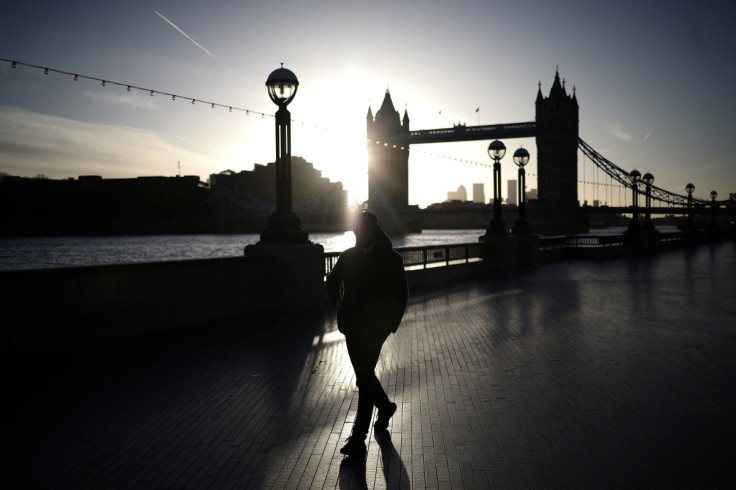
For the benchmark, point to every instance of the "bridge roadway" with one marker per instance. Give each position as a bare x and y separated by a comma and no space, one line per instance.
578,374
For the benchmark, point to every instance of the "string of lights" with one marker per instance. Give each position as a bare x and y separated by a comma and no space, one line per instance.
130,87
152,92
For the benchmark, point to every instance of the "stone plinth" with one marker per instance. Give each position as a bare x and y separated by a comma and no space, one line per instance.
298,275
503,251
529,249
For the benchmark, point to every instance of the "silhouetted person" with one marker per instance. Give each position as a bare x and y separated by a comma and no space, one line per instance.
368,289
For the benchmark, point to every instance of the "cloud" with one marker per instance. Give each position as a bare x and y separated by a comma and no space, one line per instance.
617,131
32,143
132,99
648,134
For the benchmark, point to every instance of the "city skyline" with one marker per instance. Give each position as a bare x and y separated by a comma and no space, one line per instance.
642,74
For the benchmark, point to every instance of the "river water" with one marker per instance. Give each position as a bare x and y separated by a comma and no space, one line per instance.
47,252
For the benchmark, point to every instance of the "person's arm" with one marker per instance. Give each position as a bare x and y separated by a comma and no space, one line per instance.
333,281
400,289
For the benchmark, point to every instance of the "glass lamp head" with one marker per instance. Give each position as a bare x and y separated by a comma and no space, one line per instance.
690,188
282,85
635,176
521,157
648,178
713,195
496,150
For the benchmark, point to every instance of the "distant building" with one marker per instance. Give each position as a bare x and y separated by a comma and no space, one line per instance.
531,194
461,194
254,191
511,199
479,193
596,203
92,205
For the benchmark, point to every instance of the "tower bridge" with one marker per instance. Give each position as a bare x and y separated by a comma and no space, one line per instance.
556,132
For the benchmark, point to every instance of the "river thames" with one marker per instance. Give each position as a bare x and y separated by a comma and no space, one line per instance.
47,252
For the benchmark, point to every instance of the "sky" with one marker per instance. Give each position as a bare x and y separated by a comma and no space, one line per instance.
655,82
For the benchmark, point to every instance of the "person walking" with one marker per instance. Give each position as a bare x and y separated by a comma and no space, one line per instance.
367,287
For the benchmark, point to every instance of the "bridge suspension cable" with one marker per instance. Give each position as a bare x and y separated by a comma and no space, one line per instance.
622,176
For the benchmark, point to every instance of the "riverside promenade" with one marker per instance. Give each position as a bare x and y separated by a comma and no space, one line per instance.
576,374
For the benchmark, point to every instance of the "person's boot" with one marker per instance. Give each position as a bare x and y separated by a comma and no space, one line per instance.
384,415
354,447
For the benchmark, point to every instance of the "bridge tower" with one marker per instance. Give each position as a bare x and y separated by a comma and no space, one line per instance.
388,167
557,157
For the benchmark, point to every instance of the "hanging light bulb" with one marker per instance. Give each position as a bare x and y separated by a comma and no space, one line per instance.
230,109
151,93
104,83
14,65
129,89
76,78
247,112
193,101
173,97
213,106
46,71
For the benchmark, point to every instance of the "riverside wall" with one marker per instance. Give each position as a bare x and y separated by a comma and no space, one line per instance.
56,309
53,309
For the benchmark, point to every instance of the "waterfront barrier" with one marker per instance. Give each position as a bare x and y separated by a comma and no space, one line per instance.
49,309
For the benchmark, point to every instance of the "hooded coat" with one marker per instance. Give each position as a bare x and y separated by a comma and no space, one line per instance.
371,287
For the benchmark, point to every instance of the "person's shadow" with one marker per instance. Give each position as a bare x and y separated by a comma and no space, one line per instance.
352,470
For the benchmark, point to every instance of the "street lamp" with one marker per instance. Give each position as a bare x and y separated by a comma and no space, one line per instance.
284,227
635,176
521,158
648,179
496,150
714,206
690,188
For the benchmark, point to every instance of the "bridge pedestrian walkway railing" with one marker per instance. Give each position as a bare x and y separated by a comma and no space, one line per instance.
428,256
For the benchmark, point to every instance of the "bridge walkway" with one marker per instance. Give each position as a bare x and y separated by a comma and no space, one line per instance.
576,374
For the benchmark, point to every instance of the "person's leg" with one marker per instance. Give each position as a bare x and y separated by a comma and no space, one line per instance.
380,398
364,353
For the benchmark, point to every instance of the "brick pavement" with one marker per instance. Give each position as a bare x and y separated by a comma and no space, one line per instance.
575,374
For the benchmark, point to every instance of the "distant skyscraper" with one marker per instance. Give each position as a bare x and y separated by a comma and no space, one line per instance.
461,194
479,193
531,194
511,199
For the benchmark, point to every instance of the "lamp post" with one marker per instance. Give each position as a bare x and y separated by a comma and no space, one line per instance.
521,158
648,179
496,150
714,206
635,176
690,188
284,227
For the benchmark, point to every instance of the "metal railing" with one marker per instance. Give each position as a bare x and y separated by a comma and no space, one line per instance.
444,255
595,241
428,256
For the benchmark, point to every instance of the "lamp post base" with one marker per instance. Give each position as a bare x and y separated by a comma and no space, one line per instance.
521,227
497,227
634,226
284,229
